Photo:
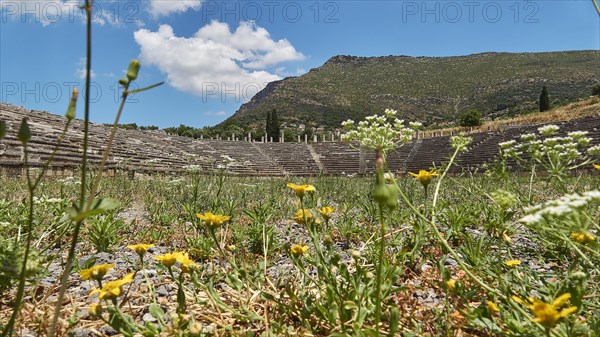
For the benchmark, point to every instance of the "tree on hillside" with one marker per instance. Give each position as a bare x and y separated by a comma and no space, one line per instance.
471,117
268,125
544,100
596,89
275,126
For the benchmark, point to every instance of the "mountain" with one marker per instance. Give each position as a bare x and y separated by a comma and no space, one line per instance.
433,90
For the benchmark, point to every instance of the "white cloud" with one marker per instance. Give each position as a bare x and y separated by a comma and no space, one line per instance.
216,62
166,7
81,71
218,114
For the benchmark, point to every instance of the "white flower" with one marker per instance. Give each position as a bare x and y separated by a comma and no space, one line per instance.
389,113
528,137
415,125
378,131
506,145
594,150
548,130
577,134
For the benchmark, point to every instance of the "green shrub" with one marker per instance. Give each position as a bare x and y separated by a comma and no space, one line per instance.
471,117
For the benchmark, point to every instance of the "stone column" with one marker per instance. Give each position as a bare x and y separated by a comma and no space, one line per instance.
271,139
249,136
298,138
305,138
362,165
314,138
201,137
282,137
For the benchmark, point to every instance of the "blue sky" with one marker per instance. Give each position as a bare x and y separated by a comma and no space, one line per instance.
214,55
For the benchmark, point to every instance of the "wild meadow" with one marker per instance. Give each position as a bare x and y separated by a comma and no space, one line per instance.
510,251
423,254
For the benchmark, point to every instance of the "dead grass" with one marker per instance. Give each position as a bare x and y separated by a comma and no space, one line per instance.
584,108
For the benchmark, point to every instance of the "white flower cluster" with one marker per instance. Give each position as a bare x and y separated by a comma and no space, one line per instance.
377,131
70,181
562,207
460,142
566,150
192,168
46,200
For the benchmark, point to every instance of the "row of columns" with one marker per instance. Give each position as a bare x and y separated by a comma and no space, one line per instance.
266,139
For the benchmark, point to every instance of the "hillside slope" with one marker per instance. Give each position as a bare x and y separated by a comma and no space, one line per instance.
428,89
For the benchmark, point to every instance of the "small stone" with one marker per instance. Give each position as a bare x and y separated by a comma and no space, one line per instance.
148,318
162,291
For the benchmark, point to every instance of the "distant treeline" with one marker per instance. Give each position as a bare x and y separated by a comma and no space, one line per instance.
134,126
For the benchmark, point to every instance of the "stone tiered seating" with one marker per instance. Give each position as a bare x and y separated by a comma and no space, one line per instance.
431,153
155,151
294,158
397,159
339,158
244,158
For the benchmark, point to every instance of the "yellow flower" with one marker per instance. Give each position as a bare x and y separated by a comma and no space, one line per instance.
583,237
424,177
512,263
113,289
548,314
95,310
169,259
302,214
326,212
140,248
96,272
451,284
298,250
213,220
301,189
597,166
187,264
492,307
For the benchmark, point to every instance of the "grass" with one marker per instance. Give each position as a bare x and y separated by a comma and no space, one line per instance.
235,289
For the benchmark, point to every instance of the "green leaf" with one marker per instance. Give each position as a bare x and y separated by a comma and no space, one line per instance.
2,129
394,321
156,311
144,89
150,330
24,134
99,206
234,282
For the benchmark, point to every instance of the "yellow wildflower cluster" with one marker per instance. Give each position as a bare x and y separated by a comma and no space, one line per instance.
424,177
583,237
512,263
140,248
326,212
113,289
213,221
298,250
303,216
170,259
548,314
96,272
301,190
